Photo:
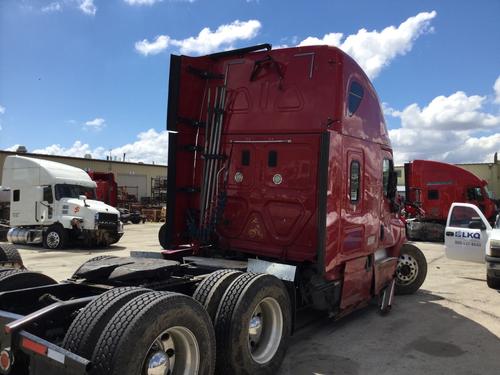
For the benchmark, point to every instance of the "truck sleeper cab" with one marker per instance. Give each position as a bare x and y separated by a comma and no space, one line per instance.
281,196
430,189
54,204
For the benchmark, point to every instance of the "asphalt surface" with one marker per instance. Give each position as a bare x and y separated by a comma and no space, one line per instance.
450,326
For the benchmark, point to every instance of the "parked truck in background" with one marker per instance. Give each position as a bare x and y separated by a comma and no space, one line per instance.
430,189
281,196
470,237
106,187
52,203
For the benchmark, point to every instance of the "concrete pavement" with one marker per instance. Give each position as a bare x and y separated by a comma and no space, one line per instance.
451,326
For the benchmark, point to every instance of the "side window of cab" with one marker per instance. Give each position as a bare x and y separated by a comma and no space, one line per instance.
354,97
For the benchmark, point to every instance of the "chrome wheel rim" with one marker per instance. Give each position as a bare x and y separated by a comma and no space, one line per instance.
407,270
265,330
174,352
53,240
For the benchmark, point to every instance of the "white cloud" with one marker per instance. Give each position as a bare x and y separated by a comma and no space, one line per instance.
496,87
207,41
455,112
78,149
453,128
373,50
97,123
88,7
150,146
52,7
152,48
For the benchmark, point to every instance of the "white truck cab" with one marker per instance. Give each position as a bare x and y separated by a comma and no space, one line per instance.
53,203
469,237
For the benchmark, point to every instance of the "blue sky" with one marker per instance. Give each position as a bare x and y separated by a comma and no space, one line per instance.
89,76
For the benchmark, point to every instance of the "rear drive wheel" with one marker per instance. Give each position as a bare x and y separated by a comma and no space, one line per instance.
411,269
162,236
210,291
157,333
55,237
8,253
493,283
253,325
20,279
88,325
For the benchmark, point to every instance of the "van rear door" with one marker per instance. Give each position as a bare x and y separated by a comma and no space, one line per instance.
466,234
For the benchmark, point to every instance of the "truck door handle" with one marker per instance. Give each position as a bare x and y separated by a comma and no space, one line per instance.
450,234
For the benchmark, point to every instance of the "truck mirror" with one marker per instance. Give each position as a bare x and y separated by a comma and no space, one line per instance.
477,224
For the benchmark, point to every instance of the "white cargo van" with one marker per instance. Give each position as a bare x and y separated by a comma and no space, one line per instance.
52,203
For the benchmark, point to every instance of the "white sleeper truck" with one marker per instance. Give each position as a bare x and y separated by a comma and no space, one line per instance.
52,203
470,238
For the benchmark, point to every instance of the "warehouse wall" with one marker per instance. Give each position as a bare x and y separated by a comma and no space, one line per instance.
126,173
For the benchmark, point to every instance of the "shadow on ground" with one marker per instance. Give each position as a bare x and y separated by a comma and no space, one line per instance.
73,249
419,336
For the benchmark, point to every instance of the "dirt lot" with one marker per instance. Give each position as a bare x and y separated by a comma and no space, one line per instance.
451,326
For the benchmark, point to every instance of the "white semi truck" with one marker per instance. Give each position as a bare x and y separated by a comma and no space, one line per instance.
51,203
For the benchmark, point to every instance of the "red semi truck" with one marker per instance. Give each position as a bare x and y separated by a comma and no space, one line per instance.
281,196
430,189
107,187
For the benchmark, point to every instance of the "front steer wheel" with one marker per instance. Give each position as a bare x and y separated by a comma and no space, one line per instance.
55,237
411,269
253,326
157,333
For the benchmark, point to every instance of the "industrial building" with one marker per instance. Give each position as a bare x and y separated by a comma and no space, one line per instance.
490,172
134,178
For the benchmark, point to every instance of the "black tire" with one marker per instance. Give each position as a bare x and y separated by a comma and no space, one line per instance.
136,220
162,236
210,291
94,259
20,279
56,237
411,270
232,322
127,339
88,325
493,283
8,253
